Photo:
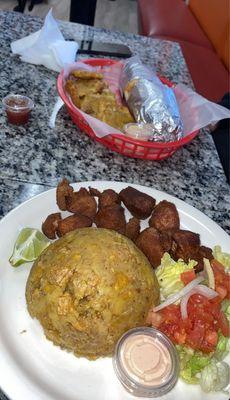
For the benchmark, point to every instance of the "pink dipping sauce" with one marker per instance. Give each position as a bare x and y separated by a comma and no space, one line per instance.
146,362
146,359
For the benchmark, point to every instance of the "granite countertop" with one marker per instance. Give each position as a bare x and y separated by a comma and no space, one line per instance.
35,158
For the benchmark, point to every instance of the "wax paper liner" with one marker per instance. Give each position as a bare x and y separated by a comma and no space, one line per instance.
196,111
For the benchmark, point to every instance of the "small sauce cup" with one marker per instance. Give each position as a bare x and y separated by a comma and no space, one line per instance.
17,108
146,362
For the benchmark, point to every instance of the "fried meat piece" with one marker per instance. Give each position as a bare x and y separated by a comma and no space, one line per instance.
94,192
185,245
111,217
149,242
108,198
63,192
50,225
165,217
139,204
83,203
82,74
166,241
206,252
132,229
73,222
203,252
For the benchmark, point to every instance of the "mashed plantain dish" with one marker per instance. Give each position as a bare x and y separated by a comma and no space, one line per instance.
88,288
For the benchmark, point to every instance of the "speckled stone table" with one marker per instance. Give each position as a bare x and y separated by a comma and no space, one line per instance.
35,158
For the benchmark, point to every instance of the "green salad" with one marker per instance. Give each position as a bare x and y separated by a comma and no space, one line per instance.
195,314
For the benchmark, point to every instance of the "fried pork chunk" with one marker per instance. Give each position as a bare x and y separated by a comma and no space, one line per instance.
111,217
64,190
186,245
73,222
50,225
108,198
150,243
139,204
94,192
165,217
82,202
132,229
203,252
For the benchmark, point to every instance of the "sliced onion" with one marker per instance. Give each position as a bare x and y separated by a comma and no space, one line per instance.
172,299
200,289
209,272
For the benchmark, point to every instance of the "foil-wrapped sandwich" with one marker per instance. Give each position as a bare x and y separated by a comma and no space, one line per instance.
152,103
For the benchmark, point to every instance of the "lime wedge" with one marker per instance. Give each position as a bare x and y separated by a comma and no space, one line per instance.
29,245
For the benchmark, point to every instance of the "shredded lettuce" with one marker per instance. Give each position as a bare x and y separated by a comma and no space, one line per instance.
192,363
223,258
222,348
215,376
168,274
225,307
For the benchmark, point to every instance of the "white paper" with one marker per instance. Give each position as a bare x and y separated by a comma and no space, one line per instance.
46,47
196,111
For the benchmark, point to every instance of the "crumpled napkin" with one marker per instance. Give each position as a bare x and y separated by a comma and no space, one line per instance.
46,47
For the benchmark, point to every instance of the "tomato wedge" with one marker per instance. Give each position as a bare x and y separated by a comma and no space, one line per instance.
222,280
187,276
200,330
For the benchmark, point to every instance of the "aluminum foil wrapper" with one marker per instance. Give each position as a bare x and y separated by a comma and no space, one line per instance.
150,101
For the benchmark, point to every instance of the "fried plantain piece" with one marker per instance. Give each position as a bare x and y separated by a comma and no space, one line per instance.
63,192
165,217
116,116
111,217
139,204
50,225
149,242
87,87
70,87
73,222
82,74
83,203
108,198
133,228
94,97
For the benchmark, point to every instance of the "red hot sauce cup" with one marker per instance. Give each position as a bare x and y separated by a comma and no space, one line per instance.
17,108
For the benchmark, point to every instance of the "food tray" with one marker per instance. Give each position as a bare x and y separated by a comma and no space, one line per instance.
120,143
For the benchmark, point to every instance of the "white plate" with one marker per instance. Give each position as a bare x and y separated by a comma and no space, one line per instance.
31,367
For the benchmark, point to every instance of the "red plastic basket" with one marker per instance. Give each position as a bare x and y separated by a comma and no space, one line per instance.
120,143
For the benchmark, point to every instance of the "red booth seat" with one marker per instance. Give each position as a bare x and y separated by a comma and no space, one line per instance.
173,20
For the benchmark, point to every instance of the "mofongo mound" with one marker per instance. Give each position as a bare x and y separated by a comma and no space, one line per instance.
88,288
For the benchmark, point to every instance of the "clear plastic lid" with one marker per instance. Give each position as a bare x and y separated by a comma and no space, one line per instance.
140,131
146,362
17,103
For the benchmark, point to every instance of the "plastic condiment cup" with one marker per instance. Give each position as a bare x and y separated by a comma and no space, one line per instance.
146,362
139,131
17,108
